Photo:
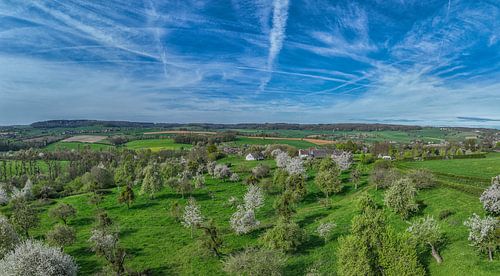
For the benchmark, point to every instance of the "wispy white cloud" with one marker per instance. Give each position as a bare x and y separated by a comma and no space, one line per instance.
276,36
152,18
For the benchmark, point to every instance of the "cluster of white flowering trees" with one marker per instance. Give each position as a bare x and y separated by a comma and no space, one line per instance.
26,193
343,159
482,233
243,220
32,257
491,197
291,165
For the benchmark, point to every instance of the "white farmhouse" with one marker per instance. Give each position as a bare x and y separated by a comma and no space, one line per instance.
254,156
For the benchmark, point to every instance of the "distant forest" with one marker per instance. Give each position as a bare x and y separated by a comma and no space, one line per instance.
263,126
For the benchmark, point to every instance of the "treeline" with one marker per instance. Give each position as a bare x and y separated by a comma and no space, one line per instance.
15,145
258,126
88,123
205,139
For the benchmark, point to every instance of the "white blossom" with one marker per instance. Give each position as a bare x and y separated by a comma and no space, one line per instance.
192,215
27,190
16,194
482,232
199,181
254,198
234,177
102,242
491,197
211,168
295,166
343,159
282,159
324,230
222,171
243,220
36,259
275,152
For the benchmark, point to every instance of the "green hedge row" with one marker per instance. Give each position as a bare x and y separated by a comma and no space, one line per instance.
472,190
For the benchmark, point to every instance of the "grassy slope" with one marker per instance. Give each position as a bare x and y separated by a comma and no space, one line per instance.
76,145
484,168
157,242
156,144
255,141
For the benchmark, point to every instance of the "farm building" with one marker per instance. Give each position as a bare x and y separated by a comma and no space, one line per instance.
254,156
313,153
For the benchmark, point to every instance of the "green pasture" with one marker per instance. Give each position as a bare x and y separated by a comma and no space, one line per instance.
156,144
262,141
482,168
77,146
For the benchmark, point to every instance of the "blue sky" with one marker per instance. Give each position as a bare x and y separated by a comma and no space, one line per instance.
401,61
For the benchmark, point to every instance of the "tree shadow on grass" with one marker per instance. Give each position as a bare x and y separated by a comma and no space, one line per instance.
127,231
312,242
133,251
81,221
86,265
159,271
255,234
169,196
312,197
143,205
198,196
297,268
311,219
421,207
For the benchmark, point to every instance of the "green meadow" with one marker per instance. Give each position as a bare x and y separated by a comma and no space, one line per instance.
156,242
481,168
77,146
156,144
263,141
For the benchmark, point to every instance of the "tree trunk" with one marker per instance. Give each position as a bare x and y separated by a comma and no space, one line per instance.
436,255
490,254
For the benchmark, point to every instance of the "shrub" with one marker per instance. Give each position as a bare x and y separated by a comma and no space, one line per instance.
61,235
422,178
63,212
383,177
401,197
24,216
261,171
8,237
222,171
286,236
252,262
